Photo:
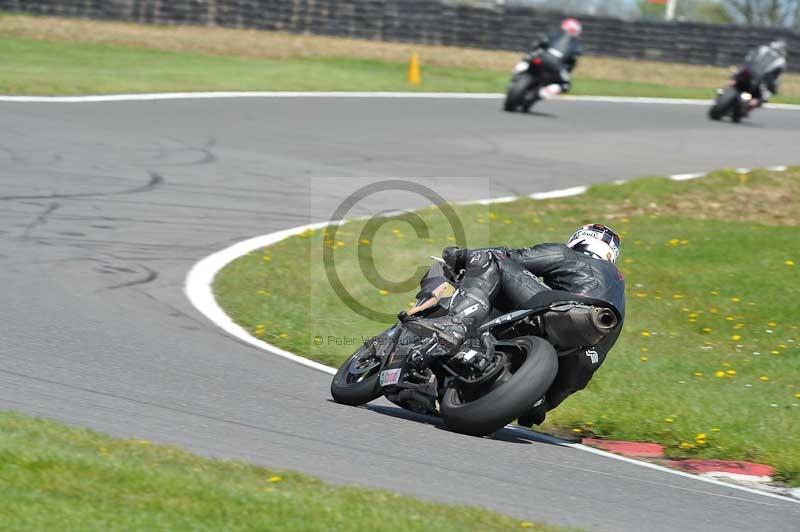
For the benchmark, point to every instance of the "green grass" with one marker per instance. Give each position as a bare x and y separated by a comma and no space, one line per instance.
711,267
53,477
38,67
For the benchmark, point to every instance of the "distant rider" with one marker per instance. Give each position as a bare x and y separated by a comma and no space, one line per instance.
559,53
507,278
765,64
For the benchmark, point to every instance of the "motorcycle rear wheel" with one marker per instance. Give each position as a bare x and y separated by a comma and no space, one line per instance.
506,402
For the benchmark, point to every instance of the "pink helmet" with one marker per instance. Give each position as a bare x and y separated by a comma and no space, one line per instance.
572,27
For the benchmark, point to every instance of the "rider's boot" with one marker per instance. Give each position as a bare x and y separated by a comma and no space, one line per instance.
534,416
471,303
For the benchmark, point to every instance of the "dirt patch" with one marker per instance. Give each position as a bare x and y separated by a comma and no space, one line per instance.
278,45
765,198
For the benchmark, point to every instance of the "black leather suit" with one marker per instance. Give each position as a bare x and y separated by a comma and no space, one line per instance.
503,279
561,51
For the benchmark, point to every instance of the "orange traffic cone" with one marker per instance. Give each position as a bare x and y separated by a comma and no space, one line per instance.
414,76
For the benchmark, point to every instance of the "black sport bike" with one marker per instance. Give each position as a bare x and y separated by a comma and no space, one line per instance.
526,80
734,99
487,382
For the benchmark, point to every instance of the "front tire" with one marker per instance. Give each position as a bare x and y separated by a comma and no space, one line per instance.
356,381
509,400
724,104
515,97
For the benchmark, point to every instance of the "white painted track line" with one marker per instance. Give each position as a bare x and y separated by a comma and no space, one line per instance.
288,94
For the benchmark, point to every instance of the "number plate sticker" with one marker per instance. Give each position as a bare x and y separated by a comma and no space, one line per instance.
390,376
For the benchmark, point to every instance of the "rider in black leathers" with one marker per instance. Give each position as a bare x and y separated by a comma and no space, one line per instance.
763,66
559,54
506,278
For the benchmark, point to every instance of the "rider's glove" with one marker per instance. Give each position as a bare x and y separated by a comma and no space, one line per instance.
454,257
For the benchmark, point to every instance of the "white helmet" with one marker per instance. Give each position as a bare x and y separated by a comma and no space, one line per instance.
596,240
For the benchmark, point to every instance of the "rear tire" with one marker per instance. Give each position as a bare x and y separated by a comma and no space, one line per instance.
352,386
515,97
509,400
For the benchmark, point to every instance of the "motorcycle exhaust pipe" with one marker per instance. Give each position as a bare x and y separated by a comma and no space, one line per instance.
603,319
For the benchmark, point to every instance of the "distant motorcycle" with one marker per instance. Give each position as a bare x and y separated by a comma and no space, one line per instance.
489,381
526,80
734,99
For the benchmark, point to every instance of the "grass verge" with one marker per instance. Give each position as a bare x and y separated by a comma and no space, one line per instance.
708,363
57,478
49,56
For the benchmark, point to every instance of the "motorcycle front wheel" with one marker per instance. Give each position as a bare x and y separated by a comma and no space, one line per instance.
356,381
515,97
724,103
533,367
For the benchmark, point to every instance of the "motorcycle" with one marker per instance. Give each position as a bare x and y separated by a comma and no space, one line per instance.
526,80
491,379
735,99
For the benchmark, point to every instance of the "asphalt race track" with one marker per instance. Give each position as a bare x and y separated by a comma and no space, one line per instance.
104,207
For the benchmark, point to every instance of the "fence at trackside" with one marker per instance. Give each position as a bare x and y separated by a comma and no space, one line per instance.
500,27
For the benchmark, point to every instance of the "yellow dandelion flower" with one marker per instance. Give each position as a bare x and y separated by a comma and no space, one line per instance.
789,262
698,373
729,318
763,378
736,337
674,242
692,320
267,258
707,329
772,324
678,296
645,333
738,326
577,430
643,358
492,215
731,372
668,420
526,524
641,294
715,292
797,395
719,374
364,242
686,445
693,315
274,478
735,299
383,292
775,352
283,335
701,436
